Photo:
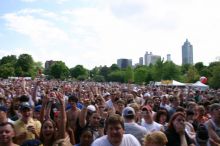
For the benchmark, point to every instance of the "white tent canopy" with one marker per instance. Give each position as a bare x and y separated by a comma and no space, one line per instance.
171,83
199,84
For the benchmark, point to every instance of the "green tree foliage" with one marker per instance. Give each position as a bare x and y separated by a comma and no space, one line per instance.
114,67
199,66
12,59
78,70
116,76
140,75
192,75
59,70
158,70
7,70
170,71
98,78
215,80
104,71
129,75
24,65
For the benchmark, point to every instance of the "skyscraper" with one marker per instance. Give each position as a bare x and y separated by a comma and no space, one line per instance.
187,53
149,58
141,61
123,63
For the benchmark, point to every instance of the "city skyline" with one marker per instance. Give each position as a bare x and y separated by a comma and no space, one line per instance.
94,33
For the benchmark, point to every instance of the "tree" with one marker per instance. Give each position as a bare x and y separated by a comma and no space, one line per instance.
7,70
12,59
77,71
104,71
140,75
158,70
59,70
116,76
114,67
192,75
25,65
129,75
215,80
98,78
170,71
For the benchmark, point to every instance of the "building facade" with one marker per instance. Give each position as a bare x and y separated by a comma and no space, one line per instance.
149,58
123,63
141,61
187,53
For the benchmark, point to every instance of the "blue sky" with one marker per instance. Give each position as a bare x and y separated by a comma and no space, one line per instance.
98,32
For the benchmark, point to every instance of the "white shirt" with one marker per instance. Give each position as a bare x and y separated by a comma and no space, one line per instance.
127,140
152,127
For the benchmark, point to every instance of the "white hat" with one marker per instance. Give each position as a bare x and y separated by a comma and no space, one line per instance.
91,108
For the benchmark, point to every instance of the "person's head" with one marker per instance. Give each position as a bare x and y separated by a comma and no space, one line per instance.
26,111
7,133
175,101
200,110
149,102
128,113
72,100
48,129
3,113
147,114
177,121
120,105
156,100
202,135
161,116
115,128
156,138
36,113
95,119
86,137
215,111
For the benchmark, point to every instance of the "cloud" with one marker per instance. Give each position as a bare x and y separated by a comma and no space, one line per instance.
100,32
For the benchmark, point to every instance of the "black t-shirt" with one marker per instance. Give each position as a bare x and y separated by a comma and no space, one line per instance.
174,138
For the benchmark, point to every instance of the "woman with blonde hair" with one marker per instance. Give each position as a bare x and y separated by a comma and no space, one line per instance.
156,138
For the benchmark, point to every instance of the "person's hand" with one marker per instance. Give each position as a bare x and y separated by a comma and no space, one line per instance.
60,97
180,128
32,129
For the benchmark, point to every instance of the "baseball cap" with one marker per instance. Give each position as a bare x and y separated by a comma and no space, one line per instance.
128,111
91,108
214,106
25,105
147,107
37,108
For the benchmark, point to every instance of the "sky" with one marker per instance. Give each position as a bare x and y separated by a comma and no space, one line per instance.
98,32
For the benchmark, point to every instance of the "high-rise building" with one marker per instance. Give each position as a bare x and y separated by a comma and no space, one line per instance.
187,53
149,58
123,63
141,61
168,57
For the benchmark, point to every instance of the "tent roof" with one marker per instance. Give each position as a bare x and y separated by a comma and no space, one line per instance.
199,84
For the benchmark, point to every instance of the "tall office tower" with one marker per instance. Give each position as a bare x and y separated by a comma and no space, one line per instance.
187,53
123,63
168,57
149,58
141,61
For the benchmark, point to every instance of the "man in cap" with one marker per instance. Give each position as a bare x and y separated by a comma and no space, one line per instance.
26,128
130,126
147,120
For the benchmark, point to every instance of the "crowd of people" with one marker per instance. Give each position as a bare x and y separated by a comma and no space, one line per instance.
68,113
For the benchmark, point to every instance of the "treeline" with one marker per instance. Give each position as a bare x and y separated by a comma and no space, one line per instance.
24,66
